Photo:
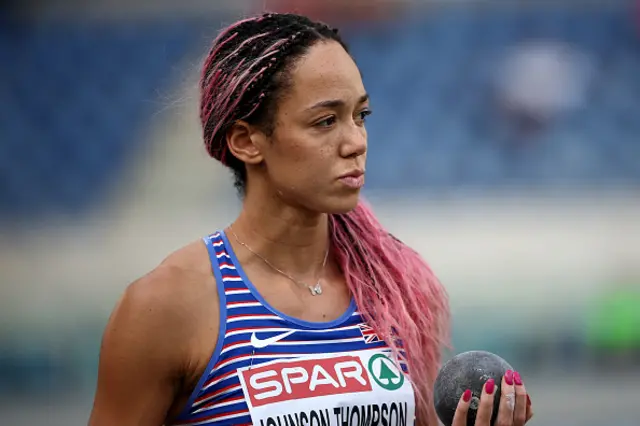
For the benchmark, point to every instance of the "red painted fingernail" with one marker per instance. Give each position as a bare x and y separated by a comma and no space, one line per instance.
508,377
528,400
466,396
489,386
517,378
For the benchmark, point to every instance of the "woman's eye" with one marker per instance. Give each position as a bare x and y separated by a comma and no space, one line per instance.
364,114
330,121
327,122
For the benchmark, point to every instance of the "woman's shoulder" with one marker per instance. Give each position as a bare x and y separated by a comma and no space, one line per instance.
185,268
173,298
159,335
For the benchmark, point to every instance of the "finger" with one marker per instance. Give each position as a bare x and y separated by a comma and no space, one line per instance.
529,409
460,417
485,409
507,400
520,412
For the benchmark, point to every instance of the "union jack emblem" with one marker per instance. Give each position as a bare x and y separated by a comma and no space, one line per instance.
368,333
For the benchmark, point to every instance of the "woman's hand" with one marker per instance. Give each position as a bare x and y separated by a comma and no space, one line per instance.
515,405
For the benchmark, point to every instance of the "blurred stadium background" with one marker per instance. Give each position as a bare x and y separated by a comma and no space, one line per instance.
505,146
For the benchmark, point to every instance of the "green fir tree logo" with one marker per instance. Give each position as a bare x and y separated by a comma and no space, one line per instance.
385,372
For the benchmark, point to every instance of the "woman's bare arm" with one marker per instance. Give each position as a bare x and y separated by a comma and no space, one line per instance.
145,350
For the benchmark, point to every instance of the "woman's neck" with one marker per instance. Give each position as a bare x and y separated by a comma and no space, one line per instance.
293,239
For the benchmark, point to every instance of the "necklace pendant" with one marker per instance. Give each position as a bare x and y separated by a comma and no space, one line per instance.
316,290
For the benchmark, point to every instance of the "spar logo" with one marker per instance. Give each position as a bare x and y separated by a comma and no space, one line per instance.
385,372
299,379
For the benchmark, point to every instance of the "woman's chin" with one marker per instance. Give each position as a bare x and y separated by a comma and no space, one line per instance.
342,205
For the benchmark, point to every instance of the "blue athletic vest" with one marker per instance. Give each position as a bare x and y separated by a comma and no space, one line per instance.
270,369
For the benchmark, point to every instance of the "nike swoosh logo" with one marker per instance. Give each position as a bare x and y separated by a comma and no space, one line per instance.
263,343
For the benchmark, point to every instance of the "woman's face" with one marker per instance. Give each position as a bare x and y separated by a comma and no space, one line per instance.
317,153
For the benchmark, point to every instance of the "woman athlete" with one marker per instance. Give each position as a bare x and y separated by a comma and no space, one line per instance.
304,311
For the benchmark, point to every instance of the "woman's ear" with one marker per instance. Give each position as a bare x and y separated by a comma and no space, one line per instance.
244,142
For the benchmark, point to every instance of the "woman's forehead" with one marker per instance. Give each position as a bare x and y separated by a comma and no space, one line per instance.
326,72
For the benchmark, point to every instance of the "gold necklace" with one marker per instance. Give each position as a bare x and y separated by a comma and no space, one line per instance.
315,289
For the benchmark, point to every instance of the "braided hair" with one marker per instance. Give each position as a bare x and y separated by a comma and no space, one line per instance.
246,73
